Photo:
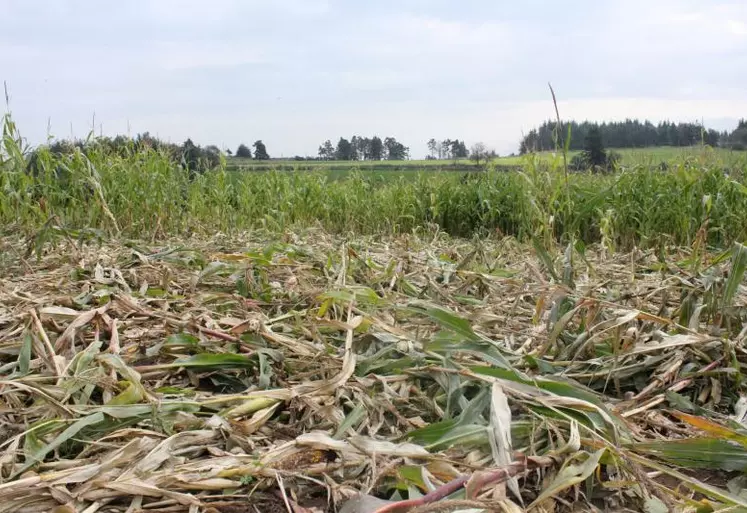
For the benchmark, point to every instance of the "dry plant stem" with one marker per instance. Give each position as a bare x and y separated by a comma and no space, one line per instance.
47,344
452,505
281,487
221,335
177,322
436,495
475,483
676,387
658,382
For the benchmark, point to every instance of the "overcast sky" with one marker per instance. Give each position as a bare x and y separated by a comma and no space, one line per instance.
297,72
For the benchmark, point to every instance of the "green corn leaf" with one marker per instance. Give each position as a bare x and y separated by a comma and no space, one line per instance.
570,475
206,361
24,356
736,275
446,319
706,453
67,434
546,259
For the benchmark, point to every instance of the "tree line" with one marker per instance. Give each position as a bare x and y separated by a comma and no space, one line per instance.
191,156
622,134
374,148
447,149
584,135
260,151
364,148
737,140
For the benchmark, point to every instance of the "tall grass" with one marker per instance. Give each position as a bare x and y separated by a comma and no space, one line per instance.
146,194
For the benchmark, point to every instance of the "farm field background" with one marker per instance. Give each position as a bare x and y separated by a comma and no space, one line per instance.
630,157
211,342
147,195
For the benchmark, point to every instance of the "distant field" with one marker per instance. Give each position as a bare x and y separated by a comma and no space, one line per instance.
630,157
241,163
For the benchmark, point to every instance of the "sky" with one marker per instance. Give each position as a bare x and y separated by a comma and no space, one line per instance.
297,72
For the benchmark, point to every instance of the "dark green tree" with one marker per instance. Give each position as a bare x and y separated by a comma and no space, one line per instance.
376,149
260,150
594,153
243,152
356,148
344,150
630,133
459,150
395,150
327,151
737,140
362,147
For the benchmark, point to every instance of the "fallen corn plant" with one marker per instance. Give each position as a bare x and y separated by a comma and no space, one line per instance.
305,372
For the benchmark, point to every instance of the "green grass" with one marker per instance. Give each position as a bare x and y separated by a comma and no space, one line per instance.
243,162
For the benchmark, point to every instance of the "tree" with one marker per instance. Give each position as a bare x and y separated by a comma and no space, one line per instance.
190,156
243,152
260,150
327,151
433,148
630,133
376,149
362,147
355,145
211,154
445,150
452,149
229,152
197,159
395,150
737,140
344,150
594,153
479,153
711,137
459,150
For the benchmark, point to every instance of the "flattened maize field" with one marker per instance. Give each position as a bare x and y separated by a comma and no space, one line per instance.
309,372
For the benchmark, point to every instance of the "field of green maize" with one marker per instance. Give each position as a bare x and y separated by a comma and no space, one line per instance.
146,195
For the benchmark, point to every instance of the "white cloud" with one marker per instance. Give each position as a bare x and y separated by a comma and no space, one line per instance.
295,72
174,56
738,28
677,27
190,12
439,39
303,7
